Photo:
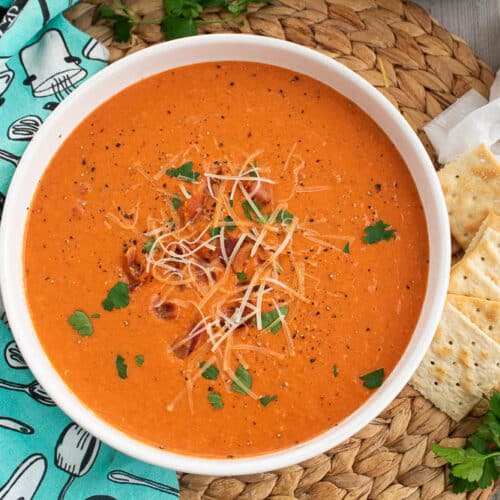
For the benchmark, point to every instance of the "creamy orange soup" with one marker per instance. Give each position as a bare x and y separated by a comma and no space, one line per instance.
226,259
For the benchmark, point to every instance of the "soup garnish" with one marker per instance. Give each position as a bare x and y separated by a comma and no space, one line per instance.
188,258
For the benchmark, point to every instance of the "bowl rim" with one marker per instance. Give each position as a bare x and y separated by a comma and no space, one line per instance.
15,216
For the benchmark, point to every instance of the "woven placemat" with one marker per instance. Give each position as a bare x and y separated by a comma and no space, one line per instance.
426,68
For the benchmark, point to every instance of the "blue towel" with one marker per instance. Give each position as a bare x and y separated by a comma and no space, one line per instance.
43,454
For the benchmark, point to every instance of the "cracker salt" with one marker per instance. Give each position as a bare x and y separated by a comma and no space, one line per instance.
461,364
478,273
485,314
471,186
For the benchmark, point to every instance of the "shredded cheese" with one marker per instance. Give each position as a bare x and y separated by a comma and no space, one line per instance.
193,262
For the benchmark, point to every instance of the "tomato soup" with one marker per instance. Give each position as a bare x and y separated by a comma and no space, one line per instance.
225,260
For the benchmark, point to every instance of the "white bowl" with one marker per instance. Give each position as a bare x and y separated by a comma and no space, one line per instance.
181,53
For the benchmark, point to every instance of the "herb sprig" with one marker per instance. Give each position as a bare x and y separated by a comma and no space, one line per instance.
245,379
121,366
117,297
182,17
378,232
123,21
373,379
81,323
184,172
476,465
271,320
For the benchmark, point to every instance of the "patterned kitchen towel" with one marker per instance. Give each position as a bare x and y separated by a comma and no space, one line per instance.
42,59
43,454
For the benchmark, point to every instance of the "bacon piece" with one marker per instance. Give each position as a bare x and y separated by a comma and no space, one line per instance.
165,310
134,269
193,207
242,257
262,193
184,350
229,246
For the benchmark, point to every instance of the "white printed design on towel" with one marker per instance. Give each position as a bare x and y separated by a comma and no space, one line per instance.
50,68
6,77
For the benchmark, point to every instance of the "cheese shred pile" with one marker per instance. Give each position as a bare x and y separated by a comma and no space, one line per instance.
225,250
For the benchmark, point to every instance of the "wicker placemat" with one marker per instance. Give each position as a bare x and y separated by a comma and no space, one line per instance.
426,68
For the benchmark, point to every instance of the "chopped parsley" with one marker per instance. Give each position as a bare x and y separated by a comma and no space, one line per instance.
184,172
215,400
176,202
148,245
245,379
373,379
95,315
335,371
117,298
139,359
265,400
253,172
210,372
229,226
284,217
476,465
121,366
346,248
214,231
378,232
250,213
81,323
271,320
241,276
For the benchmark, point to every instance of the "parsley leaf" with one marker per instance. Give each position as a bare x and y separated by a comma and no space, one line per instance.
122,23
210,372
148,244
451,455
214,231
184,8
241,276
466,463
495,405
121,366
346,248
176,202
81,323
284,217
184,172
245,379
117,298
378,232
271,320
476,465
250,213
240,6
471,466
230,227
373,379
215,400
178,27
335,371
139,359
265,400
